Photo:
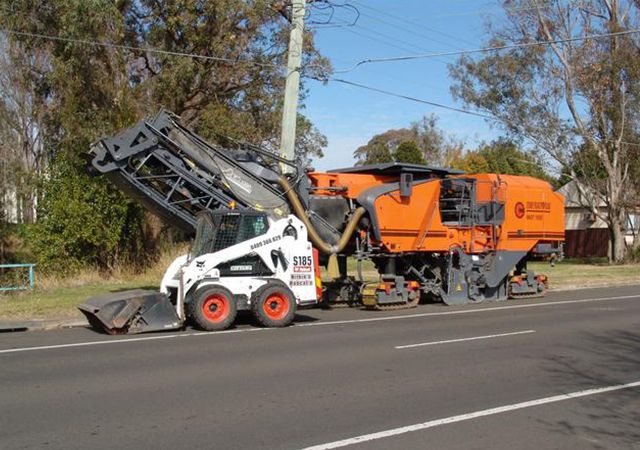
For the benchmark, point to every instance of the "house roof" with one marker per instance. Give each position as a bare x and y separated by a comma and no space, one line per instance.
574,199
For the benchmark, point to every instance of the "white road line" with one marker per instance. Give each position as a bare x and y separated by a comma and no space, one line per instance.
467,311
315,324
475,338
473,415
121,341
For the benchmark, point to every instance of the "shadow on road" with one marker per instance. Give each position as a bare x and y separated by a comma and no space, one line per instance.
247,318
604,421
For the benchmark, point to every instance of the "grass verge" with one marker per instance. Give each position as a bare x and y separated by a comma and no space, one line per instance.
55,298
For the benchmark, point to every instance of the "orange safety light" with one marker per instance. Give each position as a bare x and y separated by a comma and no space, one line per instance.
316,272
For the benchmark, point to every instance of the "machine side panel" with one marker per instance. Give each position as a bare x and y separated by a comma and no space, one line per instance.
527,212
533,213
407,223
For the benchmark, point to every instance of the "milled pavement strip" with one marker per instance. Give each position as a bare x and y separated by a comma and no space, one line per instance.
335,322
475,338
473,415
468,311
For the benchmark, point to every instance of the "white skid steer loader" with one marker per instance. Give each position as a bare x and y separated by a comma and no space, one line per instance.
239,260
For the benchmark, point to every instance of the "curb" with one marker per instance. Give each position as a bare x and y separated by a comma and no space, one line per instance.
41,325
573,287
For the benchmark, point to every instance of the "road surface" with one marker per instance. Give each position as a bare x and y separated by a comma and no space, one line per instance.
561,372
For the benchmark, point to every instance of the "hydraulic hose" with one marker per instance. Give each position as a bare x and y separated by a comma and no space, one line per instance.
315,238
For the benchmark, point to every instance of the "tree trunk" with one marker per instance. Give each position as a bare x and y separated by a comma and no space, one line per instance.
618,249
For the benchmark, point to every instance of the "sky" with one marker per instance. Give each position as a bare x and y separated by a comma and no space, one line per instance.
349,116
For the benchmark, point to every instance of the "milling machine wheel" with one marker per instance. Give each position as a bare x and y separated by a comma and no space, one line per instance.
274,305
213,308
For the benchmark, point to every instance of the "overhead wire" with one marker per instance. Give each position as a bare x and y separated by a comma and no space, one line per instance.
135,48
413,99
443,106
492,11
485,49
422,37
339,80
376,38
411,23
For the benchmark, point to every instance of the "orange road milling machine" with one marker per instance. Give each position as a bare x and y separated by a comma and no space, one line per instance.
430,232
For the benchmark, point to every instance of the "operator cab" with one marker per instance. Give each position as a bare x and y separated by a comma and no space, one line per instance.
217,230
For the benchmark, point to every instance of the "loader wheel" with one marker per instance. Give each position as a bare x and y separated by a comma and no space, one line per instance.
213,308
274,305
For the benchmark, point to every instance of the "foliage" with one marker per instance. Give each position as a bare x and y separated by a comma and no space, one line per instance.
21,151
240,96
87,223
575,100
435,146
504,157
309,141
408,152
84,91
378,154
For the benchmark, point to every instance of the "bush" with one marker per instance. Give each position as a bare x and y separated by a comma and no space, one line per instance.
408,152
85,222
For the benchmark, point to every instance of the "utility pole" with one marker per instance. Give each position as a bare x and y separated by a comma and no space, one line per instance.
292,86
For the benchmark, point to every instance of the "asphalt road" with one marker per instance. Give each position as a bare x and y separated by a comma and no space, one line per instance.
490,376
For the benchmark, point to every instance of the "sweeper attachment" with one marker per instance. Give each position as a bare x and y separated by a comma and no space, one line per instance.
240,260
131,312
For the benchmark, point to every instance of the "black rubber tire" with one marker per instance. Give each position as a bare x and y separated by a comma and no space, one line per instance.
270,318
207,320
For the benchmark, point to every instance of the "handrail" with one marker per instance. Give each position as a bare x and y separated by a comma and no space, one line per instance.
31,284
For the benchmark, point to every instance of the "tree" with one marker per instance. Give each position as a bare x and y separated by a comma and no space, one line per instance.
408,152
567,95
436,147
504,157
99,78
378,154
309,141
471,162
21,113
238,90
381,146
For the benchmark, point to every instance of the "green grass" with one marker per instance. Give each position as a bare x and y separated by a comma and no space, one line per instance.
60,301
57,298
568,273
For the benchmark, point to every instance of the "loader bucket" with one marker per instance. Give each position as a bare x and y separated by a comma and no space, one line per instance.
131,312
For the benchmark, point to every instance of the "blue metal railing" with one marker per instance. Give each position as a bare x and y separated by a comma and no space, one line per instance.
19,280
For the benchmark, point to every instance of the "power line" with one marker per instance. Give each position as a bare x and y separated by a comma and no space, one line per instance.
406,30
385,39
491,12
450,108
393,38
485,49
134,48
413,99
412,23
361,32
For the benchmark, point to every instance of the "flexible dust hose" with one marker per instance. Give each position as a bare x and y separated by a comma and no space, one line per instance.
315,238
